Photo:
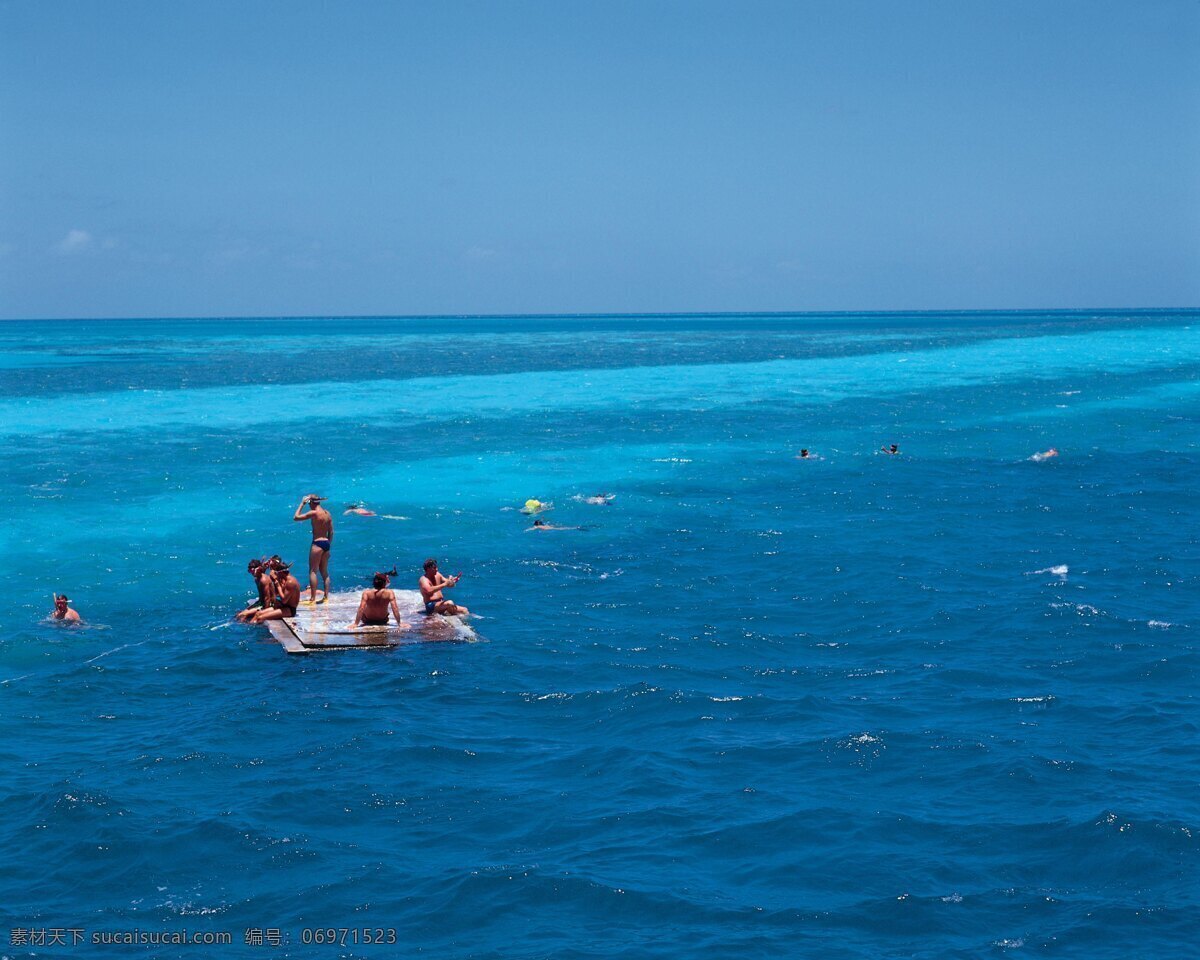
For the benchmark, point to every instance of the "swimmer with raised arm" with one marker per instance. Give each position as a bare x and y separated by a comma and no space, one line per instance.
322,543
891,451
375,603
431,586
62,611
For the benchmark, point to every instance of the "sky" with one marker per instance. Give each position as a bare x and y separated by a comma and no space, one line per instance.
388,158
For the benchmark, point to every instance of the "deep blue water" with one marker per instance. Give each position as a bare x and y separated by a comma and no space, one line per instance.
935,705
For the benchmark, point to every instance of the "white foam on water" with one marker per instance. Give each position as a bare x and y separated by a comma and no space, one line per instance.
1061,570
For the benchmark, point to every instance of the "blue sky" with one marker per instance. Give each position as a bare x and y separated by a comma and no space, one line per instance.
302,158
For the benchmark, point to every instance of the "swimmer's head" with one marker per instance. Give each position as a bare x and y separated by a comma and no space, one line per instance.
380,581
254,565
539,523
804,452
430,564
894,448
313,499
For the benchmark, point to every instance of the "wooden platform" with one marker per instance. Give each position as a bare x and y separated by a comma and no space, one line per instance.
326,626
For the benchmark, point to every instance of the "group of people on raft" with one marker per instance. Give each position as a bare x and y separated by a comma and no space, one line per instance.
279,591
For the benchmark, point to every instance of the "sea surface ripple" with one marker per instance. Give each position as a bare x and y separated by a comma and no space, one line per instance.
857,706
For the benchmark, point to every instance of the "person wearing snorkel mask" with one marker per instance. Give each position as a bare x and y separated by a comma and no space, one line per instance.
322,543
285,595
262,580
62,611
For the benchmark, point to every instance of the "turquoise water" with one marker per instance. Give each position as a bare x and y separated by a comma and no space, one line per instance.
938,705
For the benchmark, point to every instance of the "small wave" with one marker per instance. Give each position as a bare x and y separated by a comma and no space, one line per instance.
671,460
1008,944
126,646
725,699
1159,624
1060,570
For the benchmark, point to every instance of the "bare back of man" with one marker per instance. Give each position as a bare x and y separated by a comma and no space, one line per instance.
374,607
322,543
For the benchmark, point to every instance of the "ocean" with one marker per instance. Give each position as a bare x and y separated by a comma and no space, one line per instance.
933,705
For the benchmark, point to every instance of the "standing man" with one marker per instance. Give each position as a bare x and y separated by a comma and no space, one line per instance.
432,585
322,540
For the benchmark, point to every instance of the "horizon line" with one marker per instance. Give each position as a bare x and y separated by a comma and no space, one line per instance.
610,315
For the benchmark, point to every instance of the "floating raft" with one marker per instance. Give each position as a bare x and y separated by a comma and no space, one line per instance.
326,626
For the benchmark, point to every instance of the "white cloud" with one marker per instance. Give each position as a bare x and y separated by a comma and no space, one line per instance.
74,241
480,253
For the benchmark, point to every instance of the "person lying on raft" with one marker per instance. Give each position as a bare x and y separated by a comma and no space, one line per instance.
285,595
322,542
375,603
358,509
534,506
432,585
62,610
262,581
543,525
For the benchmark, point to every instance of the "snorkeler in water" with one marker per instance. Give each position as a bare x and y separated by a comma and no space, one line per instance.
543,525
62,611
358,509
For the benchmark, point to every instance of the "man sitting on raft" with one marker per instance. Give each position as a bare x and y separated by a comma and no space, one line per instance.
432,585
262,580
285,595
322,541
375,603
